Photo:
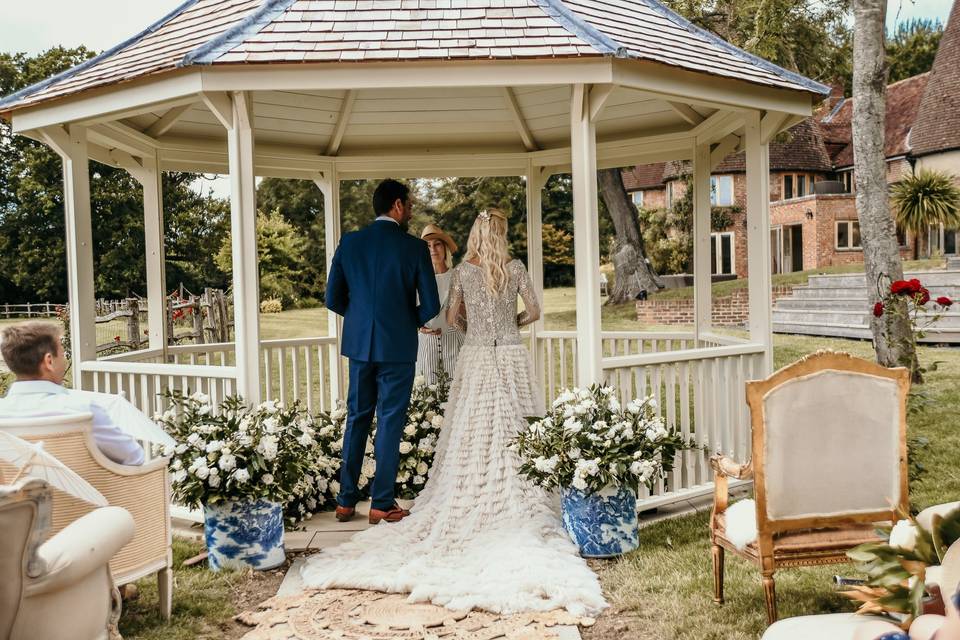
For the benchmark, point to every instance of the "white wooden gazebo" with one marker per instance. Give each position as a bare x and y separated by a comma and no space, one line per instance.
327,90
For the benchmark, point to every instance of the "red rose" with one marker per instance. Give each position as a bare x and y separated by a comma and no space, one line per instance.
906,287
116,338
923,296
878,309
944,301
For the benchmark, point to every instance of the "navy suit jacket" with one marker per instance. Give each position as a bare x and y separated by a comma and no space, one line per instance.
375,278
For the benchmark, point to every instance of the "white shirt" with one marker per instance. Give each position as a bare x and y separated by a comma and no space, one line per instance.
387,218
41,397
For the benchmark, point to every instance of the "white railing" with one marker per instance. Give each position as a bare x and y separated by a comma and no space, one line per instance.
698,386
699,392
556,355
304,369
143,383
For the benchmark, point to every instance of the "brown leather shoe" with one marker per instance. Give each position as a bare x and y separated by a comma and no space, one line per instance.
345,514
393,514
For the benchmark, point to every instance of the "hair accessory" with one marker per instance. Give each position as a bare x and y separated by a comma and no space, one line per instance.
484,215
487,213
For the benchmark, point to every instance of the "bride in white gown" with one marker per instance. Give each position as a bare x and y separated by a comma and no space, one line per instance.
479,536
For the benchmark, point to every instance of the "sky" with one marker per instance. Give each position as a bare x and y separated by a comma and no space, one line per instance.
100,24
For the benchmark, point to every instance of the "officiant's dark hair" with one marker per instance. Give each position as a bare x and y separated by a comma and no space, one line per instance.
25,345
388,192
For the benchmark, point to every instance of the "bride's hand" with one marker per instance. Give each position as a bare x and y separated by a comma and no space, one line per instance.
430,332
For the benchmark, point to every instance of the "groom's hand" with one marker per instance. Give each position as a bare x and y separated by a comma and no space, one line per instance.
430,332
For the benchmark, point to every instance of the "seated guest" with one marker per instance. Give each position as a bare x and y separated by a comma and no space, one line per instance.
34,352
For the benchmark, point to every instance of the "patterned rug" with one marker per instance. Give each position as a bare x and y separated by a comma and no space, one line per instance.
369,615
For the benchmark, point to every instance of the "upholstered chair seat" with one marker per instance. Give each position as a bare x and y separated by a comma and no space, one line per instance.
60,589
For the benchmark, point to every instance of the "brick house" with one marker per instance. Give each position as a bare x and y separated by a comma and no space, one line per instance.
812,209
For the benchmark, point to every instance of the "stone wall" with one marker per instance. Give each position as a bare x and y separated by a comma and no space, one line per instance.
728,311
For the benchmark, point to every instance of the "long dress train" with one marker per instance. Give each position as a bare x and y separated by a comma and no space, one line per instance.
479,535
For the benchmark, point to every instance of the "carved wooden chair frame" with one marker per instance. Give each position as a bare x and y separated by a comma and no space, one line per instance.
763,552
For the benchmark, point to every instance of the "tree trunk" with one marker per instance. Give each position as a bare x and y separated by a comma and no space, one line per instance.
633,273
893,337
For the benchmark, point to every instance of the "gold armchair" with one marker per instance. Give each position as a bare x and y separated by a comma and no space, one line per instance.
829,464
144,491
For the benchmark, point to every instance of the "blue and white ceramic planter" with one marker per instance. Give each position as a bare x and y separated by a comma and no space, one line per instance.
244,534
603,524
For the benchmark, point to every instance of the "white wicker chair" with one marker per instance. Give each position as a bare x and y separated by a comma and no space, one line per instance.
144,491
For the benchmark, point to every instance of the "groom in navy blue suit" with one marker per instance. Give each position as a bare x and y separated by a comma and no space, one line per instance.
376,277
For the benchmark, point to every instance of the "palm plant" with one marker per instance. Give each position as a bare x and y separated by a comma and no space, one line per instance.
924,199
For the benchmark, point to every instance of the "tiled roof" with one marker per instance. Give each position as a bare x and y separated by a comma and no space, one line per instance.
644,176
937,127
903,101
801,149
219,32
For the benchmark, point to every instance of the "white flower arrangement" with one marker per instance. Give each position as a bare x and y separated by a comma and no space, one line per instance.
417,446
241,453
589,441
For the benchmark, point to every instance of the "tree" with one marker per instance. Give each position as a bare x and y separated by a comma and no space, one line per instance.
912,48
32,226
893,337
924,199
280,253
631,268
812,38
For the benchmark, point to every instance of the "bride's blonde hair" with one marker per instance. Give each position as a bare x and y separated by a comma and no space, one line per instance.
488,244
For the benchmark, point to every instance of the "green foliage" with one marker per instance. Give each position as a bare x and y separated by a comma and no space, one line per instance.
926,198
32,232
668,233
271,305
912,47
280,251
6,379
812,38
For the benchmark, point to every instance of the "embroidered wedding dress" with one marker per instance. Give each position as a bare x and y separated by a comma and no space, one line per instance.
479,535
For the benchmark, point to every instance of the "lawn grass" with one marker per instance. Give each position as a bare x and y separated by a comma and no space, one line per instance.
798,278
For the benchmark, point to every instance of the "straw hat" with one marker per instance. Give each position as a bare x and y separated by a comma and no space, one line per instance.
433,232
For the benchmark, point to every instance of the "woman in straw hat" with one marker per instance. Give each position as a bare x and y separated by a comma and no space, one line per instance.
440,341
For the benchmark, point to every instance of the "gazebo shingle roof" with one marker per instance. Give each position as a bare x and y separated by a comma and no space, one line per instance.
936,127
220,32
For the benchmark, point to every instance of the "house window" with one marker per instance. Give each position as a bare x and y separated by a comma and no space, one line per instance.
848,234
797,185
637,199
669,194
846,179
901,237
722,253
721,191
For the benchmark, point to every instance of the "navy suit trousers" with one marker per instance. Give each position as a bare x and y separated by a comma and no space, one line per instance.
383,387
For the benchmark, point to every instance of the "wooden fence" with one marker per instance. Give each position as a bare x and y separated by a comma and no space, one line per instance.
29,310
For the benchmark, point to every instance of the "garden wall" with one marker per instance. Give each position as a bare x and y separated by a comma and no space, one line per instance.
728,311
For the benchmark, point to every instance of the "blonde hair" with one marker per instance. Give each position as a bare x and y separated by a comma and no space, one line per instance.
488,244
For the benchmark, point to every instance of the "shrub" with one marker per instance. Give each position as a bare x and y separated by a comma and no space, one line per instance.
271,305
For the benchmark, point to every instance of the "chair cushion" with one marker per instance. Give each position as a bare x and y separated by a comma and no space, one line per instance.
832,626
741,523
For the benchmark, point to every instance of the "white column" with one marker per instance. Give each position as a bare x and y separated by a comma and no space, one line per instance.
243,229
535,180
71,145
758,237
702,280
586,237
329,184
154,246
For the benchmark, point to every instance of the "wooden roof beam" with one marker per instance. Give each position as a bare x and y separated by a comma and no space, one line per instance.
599,94
221,105
723,149
167,120
685,111
119,136
513,107
346,109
